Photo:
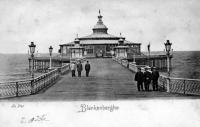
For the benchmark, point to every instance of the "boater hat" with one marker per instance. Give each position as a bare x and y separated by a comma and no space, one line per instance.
147,68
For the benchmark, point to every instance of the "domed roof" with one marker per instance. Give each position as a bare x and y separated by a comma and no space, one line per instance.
100,27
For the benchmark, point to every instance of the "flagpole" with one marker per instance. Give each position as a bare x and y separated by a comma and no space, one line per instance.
148,46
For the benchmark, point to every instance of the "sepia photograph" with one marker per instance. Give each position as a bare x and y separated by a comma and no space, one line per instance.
99,63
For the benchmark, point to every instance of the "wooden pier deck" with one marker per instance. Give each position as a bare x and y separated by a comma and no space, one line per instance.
108,81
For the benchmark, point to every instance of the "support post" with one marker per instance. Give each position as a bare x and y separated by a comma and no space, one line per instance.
50,63
32,86
17,88
184,87
32,71
168,84
168,75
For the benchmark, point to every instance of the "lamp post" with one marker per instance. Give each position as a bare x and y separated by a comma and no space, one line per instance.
50,53
168,49
32,51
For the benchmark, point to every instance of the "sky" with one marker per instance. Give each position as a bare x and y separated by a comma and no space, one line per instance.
54,22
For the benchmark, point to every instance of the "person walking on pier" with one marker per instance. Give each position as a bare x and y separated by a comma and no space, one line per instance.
147,79
73,69
139,78
87,68
155,76
79,68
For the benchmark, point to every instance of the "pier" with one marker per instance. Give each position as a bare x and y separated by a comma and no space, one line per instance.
110,79
114,61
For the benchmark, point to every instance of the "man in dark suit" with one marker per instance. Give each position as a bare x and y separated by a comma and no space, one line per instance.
147,79
155,76
87,68
139,78
79,68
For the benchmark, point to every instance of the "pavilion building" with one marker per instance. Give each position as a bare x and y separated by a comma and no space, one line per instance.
100,43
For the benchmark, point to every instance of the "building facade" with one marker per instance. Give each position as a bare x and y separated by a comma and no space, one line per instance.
100,43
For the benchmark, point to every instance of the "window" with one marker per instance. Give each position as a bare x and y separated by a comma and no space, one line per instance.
89,49
108,48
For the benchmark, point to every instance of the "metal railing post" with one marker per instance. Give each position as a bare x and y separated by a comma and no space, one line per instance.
32,86
168,84
17,87
184,87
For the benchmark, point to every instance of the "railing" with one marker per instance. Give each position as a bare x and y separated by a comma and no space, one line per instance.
174,85
117,60
162,83
125,63
133,66
11,89
64,69
181,85
31,86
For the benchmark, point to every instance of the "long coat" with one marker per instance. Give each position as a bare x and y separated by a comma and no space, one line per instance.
155,76
139,76
147,77
79,67
87,67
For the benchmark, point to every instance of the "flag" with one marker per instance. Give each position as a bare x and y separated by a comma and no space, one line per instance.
148,46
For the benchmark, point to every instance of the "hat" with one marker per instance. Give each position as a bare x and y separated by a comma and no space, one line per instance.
147,67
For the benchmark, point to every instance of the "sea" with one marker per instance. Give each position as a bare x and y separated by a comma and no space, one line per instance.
14,67
185,64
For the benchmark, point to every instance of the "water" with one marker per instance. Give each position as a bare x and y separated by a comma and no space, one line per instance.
13,67
186,64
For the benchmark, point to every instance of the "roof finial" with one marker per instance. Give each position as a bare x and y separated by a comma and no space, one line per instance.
99,12
120,34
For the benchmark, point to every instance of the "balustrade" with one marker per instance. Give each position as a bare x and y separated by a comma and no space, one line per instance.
176,85
31,86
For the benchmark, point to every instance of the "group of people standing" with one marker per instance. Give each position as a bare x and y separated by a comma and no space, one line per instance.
147,78
79,67
143,79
